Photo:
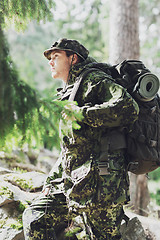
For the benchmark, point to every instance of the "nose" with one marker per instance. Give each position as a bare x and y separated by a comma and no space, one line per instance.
51,62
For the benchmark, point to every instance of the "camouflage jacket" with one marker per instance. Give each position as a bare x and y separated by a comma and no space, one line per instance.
105,106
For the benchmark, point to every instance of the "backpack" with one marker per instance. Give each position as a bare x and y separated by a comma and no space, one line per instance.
143,141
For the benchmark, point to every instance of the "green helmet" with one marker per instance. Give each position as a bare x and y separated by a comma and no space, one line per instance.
67,45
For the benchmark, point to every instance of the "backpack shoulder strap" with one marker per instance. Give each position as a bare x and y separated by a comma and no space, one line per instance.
78,82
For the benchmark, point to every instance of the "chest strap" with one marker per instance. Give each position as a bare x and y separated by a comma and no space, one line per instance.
78,82
114,140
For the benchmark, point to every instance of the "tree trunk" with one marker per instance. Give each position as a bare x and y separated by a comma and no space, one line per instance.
124,44
124,30
139,194
1,63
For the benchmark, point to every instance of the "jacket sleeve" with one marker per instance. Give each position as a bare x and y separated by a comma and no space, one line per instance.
107,103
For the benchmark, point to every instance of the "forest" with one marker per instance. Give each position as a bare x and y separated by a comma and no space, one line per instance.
29,110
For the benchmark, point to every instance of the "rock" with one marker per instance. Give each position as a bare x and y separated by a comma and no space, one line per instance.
21,156
149,235
30,181
11,234
150,225
133,230
14,198
4,201
10,193
10,221
25,167
18,188
5,171
46,160
29,160
8,159
3,163
33,155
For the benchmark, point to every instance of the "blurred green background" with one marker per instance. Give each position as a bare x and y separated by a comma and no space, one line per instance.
28,34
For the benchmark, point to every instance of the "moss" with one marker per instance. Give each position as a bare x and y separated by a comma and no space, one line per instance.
2,222
12,223
22,207
15,224
18,224
13,219
7,192
19,170
23,183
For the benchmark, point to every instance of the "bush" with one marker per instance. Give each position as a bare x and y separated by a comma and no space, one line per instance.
155,175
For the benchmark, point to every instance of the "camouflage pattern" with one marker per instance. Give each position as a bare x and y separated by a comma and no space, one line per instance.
77,190
69,45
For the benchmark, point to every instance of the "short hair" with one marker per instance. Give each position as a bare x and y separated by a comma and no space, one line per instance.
69,53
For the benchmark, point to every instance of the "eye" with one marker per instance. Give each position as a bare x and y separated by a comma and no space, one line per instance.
54,56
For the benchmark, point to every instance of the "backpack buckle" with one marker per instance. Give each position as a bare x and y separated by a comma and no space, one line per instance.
103,168
153,143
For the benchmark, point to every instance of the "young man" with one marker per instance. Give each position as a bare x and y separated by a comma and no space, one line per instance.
84,194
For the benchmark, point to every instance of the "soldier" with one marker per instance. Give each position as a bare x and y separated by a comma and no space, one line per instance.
84,194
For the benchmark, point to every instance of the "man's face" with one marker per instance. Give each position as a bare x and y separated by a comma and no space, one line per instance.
60,64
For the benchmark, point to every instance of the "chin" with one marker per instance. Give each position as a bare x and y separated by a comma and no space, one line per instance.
54,75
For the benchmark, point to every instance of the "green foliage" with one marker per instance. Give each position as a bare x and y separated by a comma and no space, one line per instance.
81,20
27,53
72,232
156,196
7,192
155,175
39,126
25,116
2,222
19,170
23,183
17,100
20,12
21,207
30,118
15,223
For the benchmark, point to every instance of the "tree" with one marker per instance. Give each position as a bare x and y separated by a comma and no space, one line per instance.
75,20
124,44
149,28
24,116
124,34
20,12
81,20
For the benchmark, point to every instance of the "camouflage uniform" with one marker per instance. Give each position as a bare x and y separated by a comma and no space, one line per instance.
81,200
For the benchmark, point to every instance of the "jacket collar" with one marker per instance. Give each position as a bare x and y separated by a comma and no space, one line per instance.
76,69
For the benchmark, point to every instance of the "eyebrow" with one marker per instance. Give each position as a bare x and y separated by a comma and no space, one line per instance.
55,51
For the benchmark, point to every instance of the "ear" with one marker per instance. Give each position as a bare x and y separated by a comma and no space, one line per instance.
74,58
